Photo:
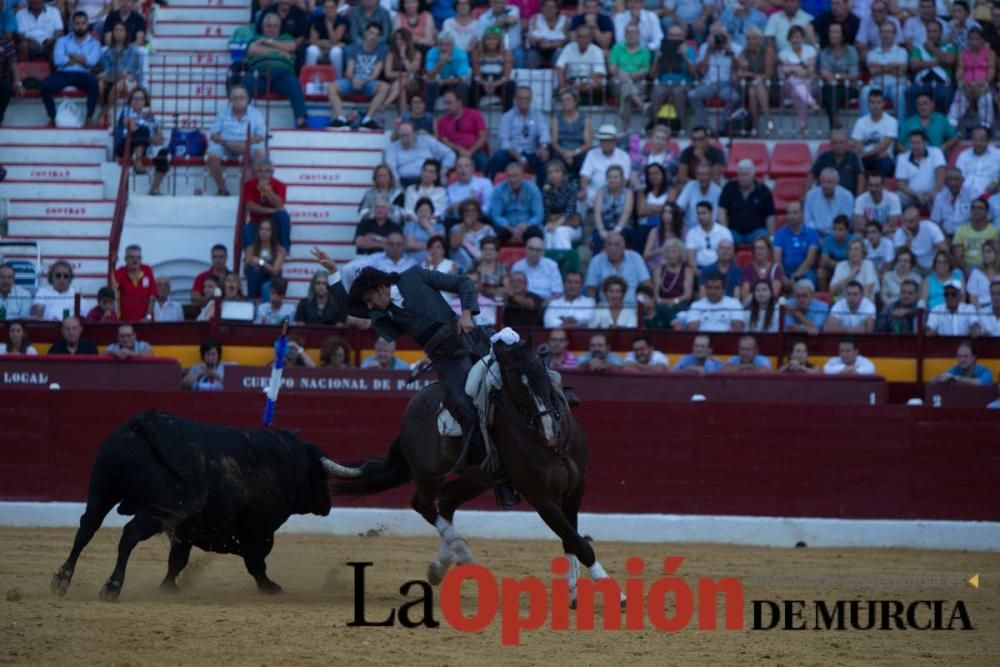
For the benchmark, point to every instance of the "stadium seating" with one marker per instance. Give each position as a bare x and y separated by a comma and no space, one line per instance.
790,159
748,150
787,190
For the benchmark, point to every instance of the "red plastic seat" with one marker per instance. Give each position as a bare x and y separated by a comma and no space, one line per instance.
955,151
890,184
787,190
744,258
824,297
748,150
823,147
510,254
38,69
310,73
790,159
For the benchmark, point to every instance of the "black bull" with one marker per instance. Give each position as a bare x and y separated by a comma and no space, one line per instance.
217,488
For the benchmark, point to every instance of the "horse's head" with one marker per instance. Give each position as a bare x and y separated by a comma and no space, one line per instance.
526,382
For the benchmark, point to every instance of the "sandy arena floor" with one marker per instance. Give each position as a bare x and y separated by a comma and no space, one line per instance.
220,619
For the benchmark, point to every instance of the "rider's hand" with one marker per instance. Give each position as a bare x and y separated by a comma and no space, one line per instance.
465,323
324,260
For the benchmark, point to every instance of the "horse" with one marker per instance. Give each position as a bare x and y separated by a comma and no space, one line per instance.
541,445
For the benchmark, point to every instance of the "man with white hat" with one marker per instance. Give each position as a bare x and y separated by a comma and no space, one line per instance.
593,173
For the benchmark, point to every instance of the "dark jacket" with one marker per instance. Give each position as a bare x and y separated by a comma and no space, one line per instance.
420,292
83,347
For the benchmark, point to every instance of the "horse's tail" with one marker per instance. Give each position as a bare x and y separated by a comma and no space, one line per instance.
377,475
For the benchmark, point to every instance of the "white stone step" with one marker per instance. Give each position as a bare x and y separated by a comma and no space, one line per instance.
310,234
322,214
43,152
321,157
41,228
184,28
19,171
332,175
92,253
341,194
11,189
196,43
52,136
212,87
185,62
61,209
204,14
362,140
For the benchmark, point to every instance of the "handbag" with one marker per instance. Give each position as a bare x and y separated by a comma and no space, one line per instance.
186,143
68,114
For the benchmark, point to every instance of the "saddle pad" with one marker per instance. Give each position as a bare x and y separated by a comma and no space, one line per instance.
447,425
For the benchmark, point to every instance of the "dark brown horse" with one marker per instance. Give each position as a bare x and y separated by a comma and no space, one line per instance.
541,446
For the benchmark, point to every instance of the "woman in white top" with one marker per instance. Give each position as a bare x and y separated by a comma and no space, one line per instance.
464,26
615,314
55,301
209,374
428,187
436,260
17,341
546,34
855,267
978,285
798,65
763,313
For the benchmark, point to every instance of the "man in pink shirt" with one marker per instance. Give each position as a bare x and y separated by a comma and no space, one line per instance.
464,131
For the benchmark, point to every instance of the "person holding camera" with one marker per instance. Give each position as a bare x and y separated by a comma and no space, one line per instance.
715,69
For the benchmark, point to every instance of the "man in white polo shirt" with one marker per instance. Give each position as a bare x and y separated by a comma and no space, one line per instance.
572,309
953,318
923,237
716,312
920,172
849,362
855,313
542,273
980,164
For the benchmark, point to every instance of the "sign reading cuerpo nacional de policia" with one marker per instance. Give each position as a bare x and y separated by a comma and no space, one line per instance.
325,380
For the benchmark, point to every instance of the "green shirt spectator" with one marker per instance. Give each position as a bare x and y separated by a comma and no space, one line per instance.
630,62
937,128
272,60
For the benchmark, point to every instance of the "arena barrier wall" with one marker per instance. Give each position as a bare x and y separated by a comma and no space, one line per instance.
701,469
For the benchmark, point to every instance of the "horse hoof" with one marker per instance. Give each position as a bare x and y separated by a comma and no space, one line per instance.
435,573
60,582
110,592
169,587
269,588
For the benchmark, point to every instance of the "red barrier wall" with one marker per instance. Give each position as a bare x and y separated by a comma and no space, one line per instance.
708,458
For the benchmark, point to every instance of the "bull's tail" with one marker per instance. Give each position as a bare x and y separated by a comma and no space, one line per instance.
377,475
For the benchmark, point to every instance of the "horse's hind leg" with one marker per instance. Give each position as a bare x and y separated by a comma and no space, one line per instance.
97,508
453,495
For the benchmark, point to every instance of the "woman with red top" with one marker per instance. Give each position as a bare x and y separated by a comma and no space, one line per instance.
674,282
977,67
762,268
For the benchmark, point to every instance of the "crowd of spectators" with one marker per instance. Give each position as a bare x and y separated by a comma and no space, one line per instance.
616,234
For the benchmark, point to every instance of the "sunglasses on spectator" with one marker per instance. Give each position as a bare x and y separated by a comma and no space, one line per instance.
60,275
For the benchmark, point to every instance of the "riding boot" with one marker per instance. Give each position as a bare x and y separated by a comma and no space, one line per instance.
506,495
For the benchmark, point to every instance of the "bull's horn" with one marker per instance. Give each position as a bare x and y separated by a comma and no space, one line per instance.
334,469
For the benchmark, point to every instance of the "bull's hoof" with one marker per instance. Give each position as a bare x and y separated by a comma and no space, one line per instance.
269,588
60,582
110,591
169,586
